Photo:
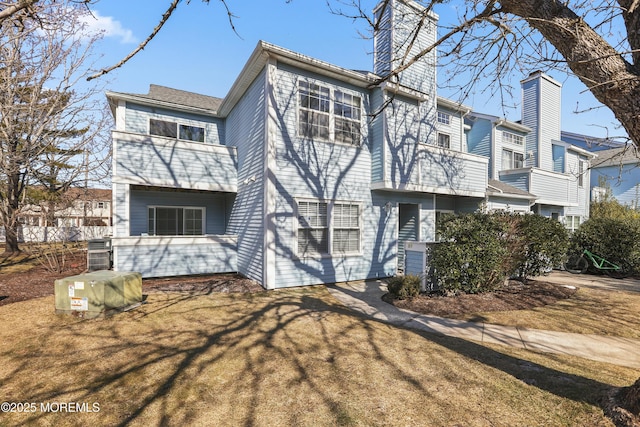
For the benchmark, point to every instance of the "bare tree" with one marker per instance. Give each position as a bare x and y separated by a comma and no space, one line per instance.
51,121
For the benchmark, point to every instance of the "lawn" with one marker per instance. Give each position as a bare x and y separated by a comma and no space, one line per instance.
280,358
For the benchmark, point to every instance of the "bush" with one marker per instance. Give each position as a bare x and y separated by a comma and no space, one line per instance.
545,242
612,238
403,287
473,257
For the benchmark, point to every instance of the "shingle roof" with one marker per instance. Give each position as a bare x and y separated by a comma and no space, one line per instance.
506,189
180,97
617,156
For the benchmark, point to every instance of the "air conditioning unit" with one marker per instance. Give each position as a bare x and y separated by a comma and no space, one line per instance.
99,254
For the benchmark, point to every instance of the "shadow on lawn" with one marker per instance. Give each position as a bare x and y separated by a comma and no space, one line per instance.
166,363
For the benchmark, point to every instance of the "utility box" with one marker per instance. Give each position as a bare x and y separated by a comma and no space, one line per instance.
98,293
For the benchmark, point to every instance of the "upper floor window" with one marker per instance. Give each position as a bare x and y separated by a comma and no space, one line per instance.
557,153
324,117
444,140
346,108
512,159
101,205
175,130
580,173
444,118
512,138
175,221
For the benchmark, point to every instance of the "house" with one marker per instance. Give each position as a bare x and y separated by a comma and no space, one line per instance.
76,207
616,171
552,175
304,173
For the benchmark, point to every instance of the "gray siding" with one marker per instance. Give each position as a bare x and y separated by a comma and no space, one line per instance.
176,256
479,142
322,170
530,94
622,180
246,131
137,121
179,164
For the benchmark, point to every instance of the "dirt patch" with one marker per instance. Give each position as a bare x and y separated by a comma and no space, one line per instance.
37,281
514,296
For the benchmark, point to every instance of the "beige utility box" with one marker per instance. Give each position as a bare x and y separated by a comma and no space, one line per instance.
98,293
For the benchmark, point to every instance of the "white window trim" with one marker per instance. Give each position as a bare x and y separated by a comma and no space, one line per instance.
438,140
512,136
446,118
178,124
513,162
332,115
330,227
204,219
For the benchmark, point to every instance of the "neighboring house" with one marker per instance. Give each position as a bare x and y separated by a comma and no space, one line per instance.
617,171
551,175
305,173
77,207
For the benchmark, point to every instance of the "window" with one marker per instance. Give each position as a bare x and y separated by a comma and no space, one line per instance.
572,222
320,116
192,133
347,111
444,140
444,118
313,230
163,128
512,160
580,173
101,205
512,138
557,152
170,130
325,228
175,221
314,110
346,227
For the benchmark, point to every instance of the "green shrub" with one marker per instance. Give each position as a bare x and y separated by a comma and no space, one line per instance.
473,256
612,238
403,287
545,242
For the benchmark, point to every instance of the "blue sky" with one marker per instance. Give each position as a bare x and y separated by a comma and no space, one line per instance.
198,51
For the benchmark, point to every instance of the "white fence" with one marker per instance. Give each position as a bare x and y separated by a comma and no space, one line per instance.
58,234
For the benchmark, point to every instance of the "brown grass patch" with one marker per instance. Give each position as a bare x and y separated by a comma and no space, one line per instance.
290,357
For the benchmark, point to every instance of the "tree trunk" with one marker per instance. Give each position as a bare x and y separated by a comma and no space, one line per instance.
608,76
11,240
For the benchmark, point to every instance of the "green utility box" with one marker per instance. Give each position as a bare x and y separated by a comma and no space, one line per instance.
98,293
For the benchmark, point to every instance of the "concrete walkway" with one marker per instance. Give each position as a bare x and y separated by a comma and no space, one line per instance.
366,297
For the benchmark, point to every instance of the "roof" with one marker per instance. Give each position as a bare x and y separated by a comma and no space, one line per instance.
172,98
499,121
629,154
499,188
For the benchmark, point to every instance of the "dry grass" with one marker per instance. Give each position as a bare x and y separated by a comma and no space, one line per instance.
280,358
588,311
